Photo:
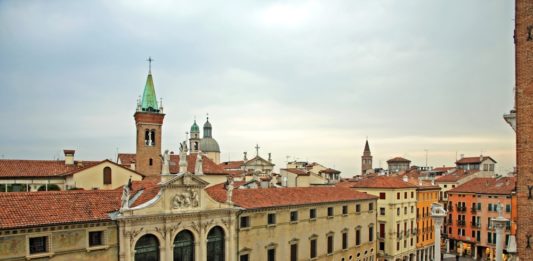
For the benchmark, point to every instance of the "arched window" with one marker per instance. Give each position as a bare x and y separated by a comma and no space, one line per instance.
49,187
152,136
184,246
215,244
107,175
150,162
147,137
147,248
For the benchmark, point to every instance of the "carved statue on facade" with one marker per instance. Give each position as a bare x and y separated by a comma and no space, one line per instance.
166,163
187,199
198,167
183,147
437,209
126,190
229,190
499,208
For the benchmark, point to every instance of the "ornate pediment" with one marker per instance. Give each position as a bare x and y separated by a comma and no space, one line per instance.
258,161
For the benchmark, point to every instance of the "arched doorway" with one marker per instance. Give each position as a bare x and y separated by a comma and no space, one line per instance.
215,244
147,248
184,246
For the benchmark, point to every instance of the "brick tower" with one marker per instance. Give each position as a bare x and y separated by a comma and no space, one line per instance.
149,122
366,159
524,125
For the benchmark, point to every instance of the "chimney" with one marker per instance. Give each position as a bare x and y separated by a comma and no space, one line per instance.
132,165
462,156
270,157
69,157
245,158
405,178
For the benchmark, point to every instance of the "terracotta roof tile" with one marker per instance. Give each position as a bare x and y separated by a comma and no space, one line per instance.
298,172
443,169
209,167
232,165
27,209
330,171
378,182
276,197
455,176
501,186
40,168
398,159
472,160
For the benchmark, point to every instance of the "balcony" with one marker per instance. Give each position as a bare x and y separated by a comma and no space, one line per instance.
474,224
400,235
461,223
473,210
450,208
461,208
414,231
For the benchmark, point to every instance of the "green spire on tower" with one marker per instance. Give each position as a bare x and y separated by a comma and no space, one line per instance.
149,99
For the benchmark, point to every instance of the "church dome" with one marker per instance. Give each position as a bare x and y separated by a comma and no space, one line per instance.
195,128
209,145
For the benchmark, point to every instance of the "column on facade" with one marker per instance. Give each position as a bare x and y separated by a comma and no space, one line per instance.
169,248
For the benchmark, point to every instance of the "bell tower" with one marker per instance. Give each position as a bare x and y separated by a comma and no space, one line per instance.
149,122
366,159
194,140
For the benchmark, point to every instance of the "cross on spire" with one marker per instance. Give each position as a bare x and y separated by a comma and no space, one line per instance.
149,60
257,149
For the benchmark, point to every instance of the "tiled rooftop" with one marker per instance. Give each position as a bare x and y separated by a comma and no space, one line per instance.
275,197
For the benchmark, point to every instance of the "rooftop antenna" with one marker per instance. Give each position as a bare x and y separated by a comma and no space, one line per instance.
149,60
426,157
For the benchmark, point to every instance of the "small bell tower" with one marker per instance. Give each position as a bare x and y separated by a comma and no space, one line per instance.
366,159
149,122
194,140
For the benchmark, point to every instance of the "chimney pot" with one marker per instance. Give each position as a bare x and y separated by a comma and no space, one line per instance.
69,157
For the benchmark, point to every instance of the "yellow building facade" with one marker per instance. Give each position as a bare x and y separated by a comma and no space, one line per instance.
396,215
425,234
324,231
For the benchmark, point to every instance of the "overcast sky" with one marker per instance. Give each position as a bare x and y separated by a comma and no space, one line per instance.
305,79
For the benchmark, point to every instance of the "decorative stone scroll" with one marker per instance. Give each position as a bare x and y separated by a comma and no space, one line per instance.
187,199
132,234
161,231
